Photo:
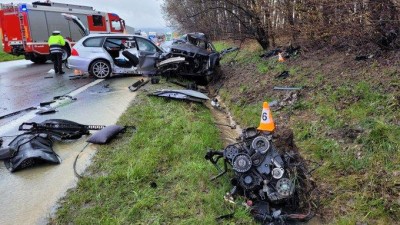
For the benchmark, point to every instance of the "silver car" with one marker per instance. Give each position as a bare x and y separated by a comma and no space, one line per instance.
103,55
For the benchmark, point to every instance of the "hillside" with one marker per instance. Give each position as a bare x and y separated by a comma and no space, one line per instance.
345,119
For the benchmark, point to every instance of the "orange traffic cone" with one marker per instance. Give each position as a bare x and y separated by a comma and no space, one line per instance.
280,58
266,123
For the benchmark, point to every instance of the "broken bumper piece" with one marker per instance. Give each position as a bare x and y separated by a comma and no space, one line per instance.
31,150
189,95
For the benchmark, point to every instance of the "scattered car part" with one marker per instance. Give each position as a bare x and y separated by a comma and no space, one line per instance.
189,95
64,96
106,134
45,111
283,75
59,129
229,50
274,182
7,153
215,103
138,84
288,88
29,150
17,112
363,57
42,104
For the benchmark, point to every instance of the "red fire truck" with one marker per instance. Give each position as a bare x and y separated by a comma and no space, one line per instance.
25,28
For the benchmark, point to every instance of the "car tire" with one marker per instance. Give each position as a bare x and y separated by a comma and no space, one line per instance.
100,69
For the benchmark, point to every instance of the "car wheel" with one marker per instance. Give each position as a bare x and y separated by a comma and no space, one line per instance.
100,69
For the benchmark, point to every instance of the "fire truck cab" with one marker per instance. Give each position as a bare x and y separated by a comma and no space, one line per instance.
25,28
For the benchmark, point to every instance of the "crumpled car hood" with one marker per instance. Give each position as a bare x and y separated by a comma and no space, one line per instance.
190,48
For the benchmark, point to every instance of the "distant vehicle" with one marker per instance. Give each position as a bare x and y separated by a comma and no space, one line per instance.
153,37
27,27
168,36
143,34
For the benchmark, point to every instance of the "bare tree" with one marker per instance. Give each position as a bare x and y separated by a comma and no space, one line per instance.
327,22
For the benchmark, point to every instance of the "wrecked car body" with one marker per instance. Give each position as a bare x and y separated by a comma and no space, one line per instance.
202,59
193,55
276,184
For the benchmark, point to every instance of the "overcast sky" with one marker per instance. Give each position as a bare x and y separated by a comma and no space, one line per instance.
136,13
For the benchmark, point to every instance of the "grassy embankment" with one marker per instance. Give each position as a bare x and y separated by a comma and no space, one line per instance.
157,175
347,117
7,57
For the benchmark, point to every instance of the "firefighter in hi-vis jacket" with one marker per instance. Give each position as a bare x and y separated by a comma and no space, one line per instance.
56,43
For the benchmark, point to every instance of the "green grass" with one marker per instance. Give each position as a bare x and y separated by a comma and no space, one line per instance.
361,173
7,57
167,150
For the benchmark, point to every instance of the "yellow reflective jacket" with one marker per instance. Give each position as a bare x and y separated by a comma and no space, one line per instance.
56,42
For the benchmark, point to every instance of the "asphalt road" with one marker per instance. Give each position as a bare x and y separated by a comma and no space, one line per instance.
30,196
23,84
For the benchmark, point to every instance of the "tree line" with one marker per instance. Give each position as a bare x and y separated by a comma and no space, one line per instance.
337,23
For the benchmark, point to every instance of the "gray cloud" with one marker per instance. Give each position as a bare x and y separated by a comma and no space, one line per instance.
136,13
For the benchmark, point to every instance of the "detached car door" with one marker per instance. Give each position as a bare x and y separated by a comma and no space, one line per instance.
148,54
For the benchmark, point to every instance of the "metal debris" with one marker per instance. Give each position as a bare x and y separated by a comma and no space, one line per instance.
138,84
64,96
287,88
59,129
45,111
276,184
363,57
17,112
189,95
42,104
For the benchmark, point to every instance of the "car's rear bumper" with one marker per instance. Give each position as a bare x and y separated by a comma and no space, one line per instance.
79,63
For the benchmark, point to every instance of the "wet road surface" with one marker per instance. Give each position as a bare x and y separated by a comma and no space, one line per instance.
23,85
29,196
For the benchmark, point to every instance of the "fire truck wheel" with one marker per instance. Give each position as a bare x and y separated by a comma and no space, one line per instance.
100,69
39,59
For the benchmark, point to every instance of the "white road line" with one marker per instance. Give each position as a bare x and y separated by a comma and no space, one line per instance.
9,128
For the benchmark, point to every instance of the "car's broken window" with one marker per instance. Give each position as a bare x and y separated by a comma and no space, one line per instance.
113,43
145,45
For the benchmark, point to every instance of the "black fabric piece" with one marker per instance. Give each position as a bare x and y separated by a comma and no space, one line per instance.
105,135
